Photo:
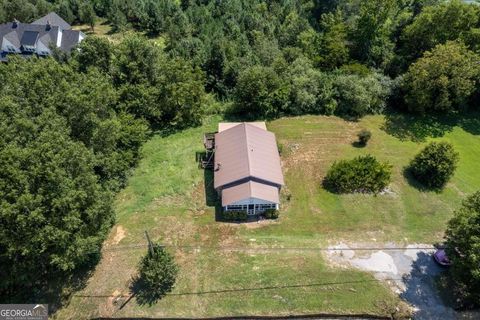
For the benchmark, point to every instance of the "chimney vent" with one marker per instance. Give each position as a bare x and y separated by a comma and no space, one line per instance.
15,23
49,26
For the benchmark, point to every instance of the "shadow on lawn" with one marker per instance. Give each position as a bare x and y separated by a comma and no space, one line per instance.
417,128
55,289
143,295
407,174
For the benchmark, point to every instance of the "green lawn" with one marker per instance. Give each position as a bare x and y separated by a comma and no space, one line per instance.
166,196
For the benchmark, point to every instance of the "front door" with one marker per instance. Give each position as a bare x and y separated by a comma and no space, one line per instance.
251,210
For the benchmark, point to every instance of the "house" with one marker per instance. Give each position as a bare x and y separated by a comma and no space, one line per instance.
36,38
247,170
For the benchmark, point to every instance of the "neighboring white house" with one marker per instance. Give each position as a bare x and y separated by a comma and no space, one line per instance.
38,37
247,170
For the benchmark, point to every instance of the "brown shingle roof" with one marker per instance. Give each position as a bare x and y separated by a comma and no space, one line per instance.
250,189
244,151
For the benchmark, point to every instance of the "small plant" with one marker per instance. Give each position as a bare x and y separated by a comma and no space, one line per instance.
435,164
231,215
157,274
281,148
271,214
363,137
361,174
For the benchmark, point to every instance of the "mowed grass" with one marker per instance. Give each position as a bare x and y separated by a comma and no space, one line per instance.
166,196
405,213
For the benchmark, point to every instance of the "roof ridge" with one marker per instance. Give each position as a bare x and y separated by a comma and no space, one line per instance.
248,148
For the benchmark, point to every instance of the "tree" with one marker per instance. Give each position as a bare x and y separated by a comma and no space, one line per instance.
443,80
64,150
435,164
436,25
358,95
373,30
333,50
87,14
63,9
54,211
156,276
463,249
260,92
136,61
361,174
94,52
305,87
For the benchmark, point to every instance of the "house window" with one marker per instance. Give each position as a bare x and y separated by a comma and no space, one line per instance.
236,207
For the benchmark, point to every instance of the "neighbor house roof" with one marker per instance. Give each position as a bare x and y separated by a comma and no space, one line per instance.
246,151
250,189
54,20
26,34
48,30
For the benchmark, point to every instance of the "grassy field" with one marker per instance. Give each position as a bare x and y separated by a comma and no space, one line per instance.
166,196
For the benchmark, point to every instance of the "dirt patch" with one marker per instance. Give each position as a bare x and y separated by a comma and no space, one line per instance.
120,233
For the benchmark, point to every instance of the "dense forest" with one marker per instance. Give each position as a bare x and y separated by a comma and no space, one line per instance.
71,126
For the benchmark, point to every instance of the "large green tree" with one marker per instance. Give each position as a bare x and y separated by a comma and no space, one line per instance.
64,150
437,24
463,249
444,79
260,92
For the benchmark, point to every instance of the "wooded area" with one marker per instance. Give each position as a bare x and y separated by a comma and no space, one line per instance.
71,126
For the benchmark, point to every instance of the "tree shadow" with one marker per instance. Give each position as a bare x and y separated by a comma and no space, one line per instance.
418,128
55,288
424,292
142,293
412,181
358,144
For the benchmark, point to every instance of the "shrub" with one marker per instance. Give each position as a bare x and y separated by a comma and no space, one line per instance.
364,136
463,243
361,174
157,274
435,164
271,214
240,215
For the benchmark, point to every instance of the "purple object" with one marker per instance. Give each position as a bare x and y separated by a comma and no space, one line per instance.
441,257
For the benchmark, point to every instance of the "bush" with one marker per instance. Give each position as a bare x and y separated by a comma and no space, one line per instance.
271,214
157,274
240,215
361,174
435,164
463,243
364,136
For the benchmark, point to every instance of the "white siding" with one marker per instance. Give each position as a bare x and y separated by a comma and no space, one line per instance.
59,37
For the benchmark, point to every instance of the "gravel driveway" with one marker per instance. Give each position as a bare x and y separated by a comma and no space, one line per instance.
409,271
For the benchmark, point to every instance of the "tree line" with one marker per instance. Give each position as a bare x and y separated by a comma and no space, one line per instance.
70,132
